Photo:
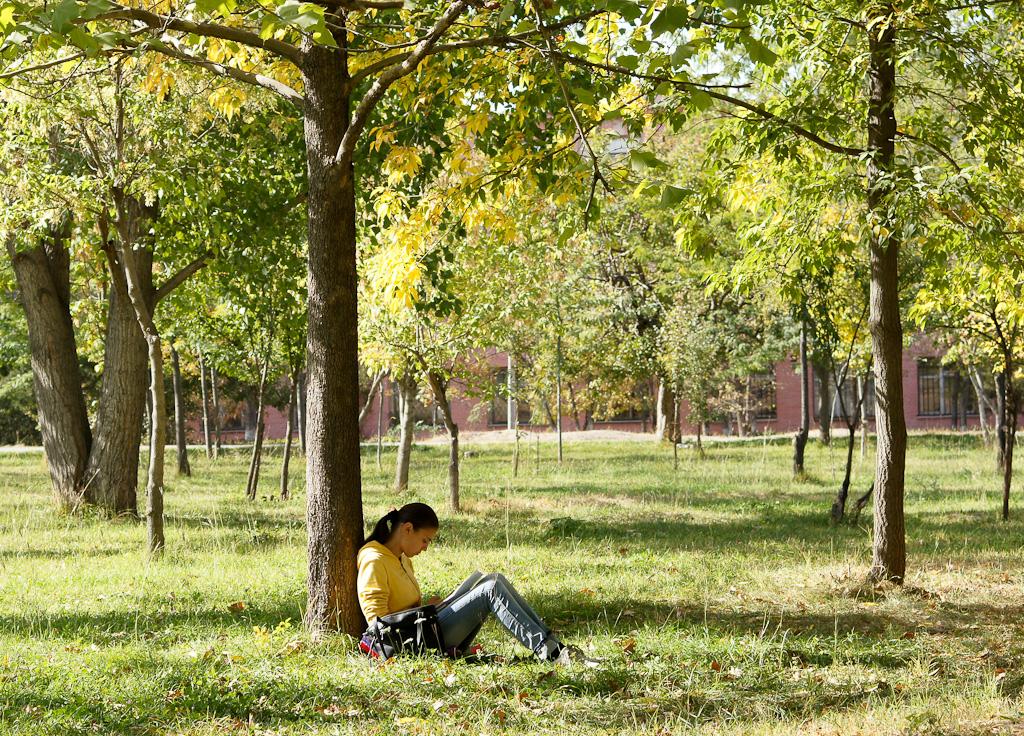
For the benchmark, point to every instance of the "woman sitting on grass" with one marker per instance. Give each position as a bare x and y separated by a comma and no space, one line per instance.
387,584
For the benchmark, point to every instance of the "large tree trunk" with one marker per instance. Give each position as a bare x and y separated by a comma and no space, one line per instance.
289,428
216,413
824,404
112,474
800,438
139,291
333,479
43,275
439,389
179,414
206,406
889,553
406,397
256,460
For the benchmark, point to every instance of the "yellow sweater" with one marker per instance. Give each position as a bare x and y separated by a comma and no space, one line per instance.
386,584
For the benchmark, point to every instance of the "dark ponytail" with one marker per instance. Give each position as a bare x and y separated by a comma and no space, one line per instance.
419,515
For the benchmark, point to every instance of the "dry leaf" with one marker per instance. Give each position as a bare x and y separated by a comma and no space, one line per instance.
586,591
909,635
1000,673
716,665
237,607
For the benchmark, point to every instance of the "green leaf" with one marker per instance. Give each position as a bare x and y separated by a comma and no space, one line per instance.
84,41
628,10
701,99
584,95
641,160
63,14
758,52
671,196
672,18
683,52
628,62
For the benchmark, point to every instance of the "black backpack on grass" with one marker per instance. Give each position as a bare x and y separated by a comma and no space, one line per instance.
413,631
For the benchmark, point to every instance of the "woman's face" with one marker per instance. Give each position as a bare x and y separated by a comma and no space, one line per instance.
415,541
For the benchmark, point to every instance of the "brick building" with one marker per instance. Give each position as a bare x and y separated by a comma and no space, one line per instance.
935,397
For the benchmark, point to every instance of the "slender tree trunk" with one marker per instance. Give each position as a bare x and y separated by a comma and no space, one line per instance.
862,386
369,396
43,275
512,409
438,388
558,395
1001,425
665,400
800,439
380,426
206,406
824,404
179,414
300,417
1010,434
256,461
863,501
983,405
839,505
333,479
216,413
290,427
406,397
889,555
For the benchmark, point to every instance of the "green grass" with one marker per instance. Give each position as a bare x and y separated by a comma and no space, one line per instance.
718,596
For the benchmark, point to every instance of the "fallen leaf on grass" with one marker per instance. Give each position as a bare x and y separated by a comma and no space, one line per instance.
909,635
1000,674
586,591
236,607
627,645
173,695
450,680
716,665
293,647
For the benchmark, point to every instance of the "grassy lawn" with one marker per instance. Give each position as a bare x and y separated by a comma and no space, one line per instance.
718,596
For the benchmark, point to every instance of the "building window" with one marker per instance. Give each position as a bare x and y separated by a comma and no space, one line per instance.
850,395
941,388
762,395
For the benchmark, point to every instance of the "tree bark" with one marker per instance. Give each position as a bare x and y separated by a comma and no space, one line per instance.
216,412
558,395
800,438
142,306
380,426
983,405
439,389
1010,432
206,406
256,460
510,384
406,397
43,276
839,505
112,474
289,428
179,414
824,404
300,416
889,551
1001,426
663,418
369,396
333,478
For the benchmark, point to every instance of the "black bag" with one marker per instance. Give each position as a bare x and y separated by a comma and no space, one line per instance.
413,631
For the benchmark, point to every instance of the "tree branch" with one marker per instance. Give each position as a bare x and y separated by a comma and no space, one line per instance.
712,92
177,279
366,105
503,40
256,80
209,30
